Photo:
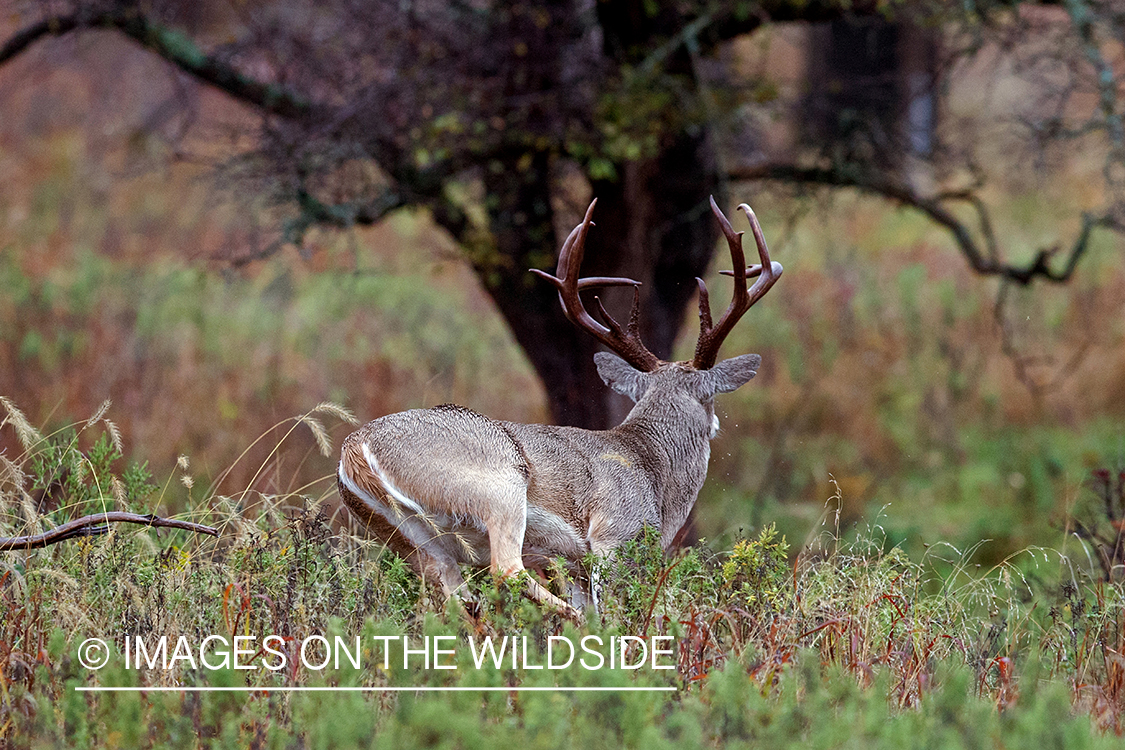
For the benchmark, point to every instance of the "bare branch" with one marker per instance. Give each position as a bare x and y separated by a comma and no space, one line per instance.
174,47
24,38
1024,365
985,261
314,212
94,525
414,185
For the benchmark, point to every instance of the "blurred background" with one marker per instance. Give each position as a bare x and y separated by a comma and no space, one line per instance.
219,214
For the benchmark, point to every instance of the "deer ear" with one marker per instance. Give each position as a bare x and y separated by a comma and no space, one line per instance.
621,376
730,374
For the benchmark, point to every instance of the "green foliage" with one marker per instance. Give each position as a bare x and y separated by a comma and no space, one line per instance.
636,113
89,481
756,571
853,646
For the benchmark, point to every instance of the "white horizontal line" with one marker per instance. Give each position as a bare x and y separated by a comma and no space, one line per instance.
420,689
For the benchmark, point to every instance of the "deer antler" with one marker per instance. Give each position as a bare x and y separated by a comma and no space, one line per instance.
711,337
625,342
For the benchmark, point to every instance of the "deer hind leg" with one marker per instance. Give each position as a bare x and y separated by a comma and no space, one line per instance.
431,565
507,524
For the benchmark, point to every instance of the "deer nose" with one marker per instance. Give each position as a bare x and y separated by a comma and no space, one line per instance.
714,425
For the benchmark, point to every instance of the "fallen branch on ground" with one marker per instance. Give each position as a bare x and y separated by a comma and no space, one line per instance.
95,525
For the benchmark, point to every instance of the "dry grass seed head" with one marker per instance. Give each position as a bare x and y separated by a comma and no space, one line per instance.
340,412
323,443
234,526
62,579
115,435
101,412
28,436
31,518
147,538
117,487
11,471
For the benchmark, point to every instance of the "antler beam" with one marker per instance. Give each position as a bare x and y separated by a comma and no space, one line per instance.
626,342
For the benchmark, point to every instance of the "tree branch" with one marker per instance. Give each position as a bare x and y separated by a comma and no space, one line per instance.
89,526
984,261
314,212
174,47
417,186
24,38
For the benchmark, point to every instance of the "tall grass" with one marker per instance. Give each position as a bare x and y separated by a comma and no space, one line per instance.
853,642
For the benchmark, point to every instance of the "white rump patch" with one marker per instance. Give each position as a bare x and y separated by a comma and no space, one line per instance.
425,529
414,529
388,485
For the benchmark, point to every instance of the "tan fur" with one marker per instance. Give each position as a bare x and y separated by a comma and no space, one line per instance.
447,486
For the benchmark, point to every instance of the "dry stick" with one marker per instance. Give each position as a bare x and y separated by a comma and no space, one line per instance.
87,526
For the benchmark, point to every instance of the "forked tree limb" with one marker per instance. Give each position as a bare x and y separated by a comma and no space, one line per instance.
425,186
94,525
415,185
984,260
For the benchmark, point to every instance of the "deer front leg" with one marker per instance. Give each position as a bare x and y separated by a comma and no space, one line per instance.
507,524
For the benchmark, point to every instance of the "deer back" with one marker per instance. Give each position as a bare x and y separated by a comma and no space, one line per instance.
650,468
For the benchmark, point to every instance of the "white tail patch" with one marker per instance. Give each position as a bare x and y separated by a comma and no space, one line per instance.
413,526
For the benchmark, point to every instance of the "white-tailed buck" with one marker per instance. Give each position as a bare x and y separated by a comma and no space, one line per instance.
447,486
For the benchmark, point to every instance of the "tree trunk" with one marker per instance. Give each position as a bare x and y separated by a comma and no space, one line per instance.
657,228
653,222
522,229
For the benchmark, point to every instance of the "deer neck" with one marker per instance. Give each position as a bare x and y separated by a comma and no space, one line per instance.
672,436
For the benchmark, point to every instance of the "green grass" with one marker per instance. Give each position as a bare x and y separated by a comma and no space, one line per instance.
853,644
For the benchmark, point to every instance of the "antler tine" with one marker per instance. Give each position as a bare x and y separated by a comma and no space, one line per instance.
569,263
626,343
711,336
768,272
